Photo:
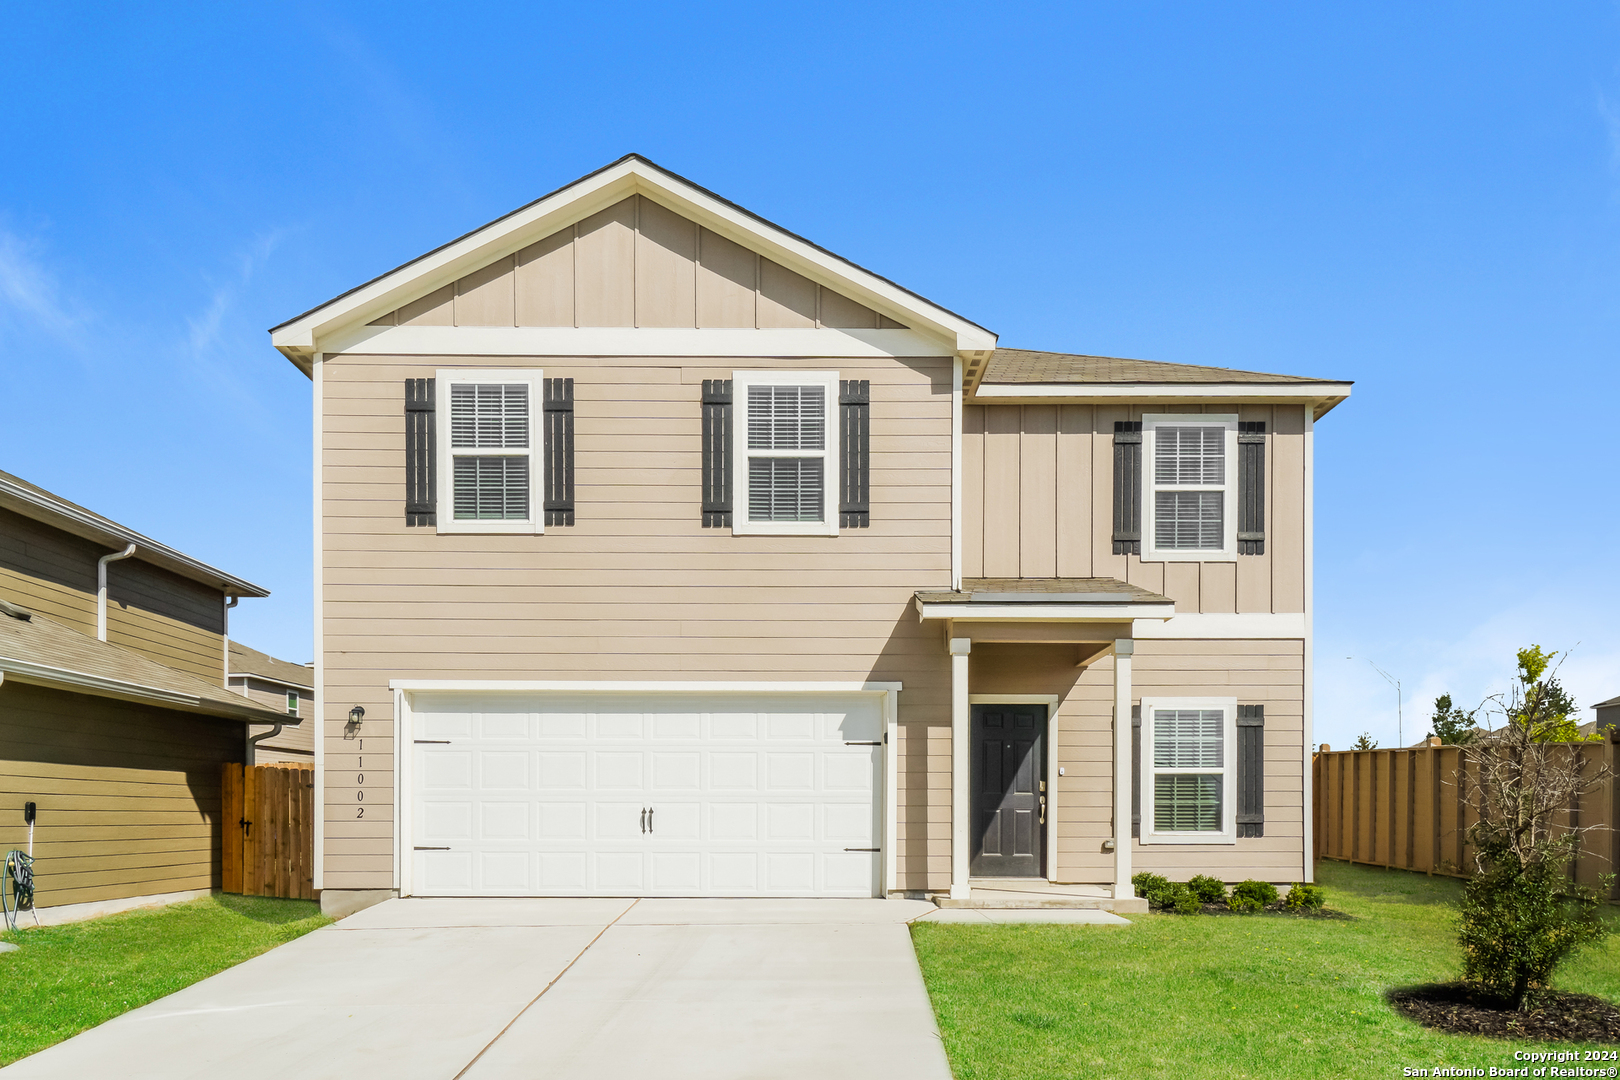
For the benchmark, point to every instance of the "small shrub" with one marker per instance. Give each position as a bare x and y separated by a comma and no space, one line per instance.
1251,896
1184,900
1146,883
1210,890
1303,897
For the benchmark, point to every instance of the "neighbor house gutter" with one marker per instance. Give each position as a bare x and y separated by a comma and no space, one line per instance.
101,589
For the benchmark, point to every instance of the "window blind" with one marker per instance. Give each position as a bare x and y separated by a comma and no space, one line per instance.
492,488
1189,455
489,416
1188,739
1187,804
785,489
1189,519
787,418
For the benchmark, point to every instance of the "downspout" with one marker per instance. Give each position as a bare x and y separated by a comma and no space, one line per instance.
101,589
230,602
253,741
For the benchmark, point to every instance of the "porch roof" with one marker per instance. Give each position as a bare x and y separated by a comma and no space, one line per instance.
1044,599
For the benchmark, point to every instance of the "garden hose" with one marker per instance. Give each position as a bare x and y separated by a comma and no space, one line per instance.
17,887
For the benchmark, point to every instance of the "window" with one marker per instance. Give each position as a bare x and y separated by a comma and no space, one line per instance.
1189,768
1190,477
490,462
783,437
292,703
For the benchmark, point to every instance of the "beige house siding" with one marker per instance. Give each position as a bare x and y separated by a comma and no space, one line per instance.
128,795
636,263
1027,471
637,589
163,616
294,744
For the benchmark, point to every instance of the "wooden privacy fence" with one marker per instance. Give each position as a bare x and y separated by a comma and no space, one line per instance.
268,829
1404,809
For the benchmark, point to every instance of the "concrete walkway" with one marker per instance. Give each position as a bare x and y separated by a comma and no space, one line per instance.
481,989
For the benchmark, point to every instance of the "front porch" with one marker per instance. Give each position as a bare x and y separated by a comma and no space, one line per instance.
1020,829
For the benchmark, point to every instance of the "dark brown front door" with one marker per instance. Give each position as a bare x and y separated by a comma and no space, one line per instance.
1009,788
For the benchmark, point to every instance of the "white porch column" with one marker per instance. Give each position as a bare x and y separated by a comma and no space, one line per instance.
961,768
1123,649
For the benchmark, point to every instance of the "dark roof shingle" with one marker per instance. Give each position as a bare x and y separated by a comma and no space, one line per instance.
1027,367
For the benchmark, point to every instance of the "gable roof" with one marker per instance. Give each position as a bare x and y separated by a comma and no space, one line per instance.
32,501
33,649
299,338
1029,373
252,662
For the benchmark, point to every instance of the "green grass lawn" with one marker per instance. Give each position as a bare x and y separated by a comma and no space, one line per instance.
1219,996
65,979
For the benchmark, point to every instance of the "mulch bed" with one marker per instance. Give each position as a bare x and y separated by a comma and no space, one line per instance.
1278,909
1557,1017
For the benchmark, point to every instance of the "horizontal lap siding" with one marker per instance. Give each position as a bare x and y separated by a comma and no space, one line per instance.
161,615
128,795
296,744
1269,673
1037,498
636,589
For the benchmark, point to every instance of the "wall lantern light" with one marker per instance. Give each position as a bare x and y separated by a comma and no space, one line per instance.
356,714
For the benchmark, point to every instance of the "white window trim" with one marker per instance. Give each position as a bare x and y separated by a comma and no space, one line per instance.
740,525
446,494
1228,835
292,703
1151,552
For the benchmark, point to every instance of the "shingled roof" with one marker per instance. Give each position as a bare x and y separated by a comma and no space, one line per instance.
33,649
253,663
1027,366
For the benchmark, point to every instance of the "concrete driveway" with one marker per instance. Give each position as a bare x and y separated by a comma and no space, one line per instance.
481,989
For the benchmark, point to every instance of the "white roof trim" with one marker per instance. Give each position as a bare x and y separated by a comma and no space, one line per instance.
629,341
306,335
1188,391
1069,613
25,671
654,687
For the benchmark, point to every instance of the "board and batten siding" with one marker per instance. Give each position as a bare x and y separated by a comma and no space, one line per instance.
128,794
636,589
1037,491
636,263
1256,672
159,614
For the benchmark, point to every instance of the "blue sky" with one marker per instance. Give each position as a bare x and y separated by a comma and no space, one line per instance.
1422,198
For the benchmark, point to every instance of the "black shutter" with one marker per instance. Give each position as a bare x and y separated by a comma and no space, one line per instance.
421,455
1136,770
1251,771
855,451
716,453
559,450
1251,535
1127,487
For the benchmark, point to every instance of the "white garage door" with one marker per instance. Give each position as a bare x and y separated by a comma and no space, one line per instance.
645,795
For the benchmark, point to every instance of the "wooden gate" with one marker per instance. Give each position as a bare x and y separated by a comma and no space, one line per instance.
268,828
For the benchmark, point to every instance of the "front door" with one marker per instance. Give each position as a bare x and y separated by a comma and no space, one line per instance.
1009,791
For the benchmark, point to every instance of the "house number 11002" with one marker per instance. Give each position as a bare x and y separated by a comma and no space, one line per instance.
360,778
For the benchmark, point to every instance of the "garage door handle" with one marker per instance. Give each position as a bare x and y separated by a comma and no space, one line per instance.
872,849
868,742
432,849
650,810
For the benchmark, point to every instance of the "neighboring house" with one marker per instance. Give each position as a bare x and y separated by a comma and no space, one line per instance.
114,716
1608,715
662,552
281,686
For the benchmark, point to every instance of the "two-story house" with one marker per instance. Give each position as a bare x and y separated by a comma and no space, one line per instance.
660,551
114,714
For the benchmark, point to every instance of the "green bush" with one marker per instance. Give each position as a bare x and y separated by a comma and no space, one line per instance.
1146,883
1184,900
1210,890
1303,897
1520,922
1251,895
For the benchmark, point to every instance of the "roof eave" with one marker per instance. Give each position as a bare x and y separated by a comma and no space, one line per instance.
1324,395
299,339
79,682
71,519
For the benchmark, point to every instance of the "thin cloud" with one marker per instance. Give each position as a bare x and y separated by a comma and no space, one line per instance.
214,338
30,295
